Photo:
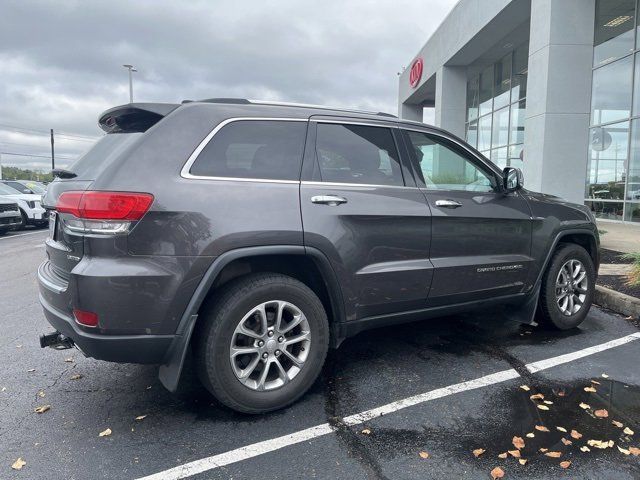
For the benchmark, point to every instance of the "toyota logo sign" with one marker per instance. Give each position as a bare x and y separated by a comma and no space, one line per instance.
415,73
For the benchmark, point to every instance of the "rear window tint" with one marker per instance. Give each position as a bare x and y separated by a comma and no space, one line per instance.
103,152
269,149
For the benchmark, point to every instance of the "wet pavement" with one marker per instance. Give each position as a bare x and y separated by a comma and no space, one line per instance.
370,370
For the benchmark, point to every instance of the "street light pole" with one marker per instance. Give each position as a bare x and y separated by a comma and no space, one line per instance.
131,69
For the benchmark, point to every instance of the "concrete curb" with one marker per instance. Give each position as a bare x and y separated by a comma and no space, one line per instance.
618,302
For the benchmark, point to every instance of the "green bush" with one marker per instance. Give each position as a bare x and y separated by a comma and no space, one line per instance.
633,278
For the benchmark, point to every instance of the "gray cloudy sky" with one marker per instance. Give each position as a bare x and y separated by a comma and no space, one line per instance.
60,61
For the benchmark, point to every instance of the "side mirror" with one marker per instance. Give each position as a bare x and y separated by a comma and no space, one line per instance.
512,179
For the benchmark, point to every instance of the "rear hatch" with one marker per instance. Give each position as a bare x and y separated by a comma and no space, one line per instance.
124,127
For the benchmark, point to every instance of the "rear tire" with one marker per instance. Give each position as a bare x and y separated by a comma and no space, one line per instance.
567,289
234,319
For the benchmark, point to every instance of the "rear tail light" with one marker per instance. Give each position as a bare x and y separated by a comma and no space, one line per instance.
102,212
88,319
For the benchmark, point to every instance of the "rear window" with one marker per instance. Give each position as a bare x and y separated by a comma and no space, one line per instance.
269,149
103,152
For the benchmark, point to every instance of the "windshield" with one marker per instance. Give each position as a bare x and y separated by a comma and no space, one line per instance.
103,152
6,190
35,187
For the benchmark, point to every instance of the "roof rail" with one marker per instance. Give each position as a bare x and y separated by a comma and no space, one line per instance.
245,101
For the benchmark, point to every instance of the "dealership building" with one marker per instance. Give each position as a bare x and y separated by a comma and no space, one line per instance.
548,86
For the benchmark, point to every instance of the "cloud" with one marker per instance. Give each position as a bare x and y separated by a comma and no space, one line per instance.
62,61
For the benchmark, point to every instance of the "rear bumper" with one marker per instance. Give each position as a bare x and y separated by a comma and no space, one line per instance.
139,348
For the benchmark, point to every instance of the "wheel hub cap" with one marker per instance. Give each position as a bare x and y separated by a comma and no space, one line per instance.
270,345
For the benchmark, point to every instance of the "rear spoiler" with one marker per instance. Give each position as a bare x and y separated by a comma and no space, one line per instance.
134,117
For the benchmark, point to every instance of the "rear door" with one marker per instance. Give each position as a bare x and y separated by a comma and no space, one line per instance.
481,237
361,209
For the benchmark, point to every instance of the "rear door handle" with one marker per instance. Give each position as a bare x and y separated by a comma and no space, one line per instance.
331,200
448,203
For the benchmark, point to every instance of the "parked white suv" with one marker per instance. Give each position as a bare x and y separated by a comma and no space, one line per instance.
9,215
30,206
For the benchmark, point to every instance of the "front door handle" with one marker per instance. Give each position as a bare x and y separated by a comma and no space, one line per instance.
331,200
448,203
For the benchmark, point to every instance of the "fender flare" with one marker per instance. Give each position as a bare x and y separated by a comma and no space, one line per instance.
171,370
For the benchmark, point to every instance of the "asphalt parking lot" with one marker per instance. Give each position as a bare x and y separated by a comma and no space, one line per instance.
442,388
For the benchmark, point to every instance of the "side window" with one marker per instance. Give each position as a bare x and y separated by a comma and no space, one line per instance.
442,167
357,154
270,149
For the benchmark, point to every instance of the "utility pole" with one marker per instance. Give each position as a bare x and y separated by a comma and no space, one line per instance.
131,69
0,165
53,157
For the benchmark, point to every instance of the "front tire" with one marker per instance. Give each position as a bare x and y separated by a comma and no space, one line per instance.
261,342
567,289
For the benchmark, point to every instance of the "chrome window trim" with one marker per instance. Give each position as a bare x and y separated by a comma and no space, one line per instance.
185,173
357,122
366,185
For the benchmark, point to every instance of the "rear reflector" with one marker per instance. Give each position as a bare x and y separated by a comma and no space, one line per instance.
88,319
97,205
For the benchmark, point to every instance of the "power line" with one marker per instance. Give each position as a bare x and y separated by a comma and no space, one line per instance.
34,131
37,156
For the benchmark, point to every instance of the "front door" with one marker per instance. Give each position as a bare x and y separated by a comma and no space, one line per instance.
360,209
480,237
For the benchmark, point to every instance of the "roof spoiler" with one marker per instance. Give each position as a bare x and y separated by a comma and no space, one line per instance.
134,117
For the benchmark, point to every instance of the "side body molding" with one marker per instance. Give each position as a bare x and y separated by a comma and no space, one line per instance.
171,369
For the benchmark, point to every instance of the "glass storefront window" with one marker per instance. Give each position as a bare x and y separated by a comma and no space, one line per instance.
499,156
614,29
606,172
632,212
633,174
520,71
516,156
486,90
500,135
516,124
472,99
636,93
611,92
502,82
472,134
606,210
484,133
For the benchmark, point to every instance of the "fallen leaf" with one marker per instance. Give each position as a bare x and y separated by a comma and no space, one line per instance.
141,417
497,473
3,389
561,393
542,407
595,382
522,461
553,454
584,448
423,455
31,370
41,394
634,451
548,402
617,424
514,453
565,441
536,396
518,442
628,431
601,413
366,431
590,389
42,408
565,464
601,444
604,375
562,429
105,433
622,450
69,360
478,451
530,435
18,464
542,450
575,434
541,428
584,406
525,388
503,455
77,376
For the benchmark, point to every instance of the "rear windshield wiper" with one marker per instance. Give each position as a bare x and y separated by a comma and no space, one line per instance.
62,173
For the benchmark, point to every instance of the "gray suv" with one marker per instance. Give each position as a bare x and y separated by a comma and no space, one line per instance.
255,236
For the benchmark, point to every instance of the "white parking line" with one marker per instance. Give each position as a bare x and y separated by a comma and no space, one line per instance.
267,446
23,234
